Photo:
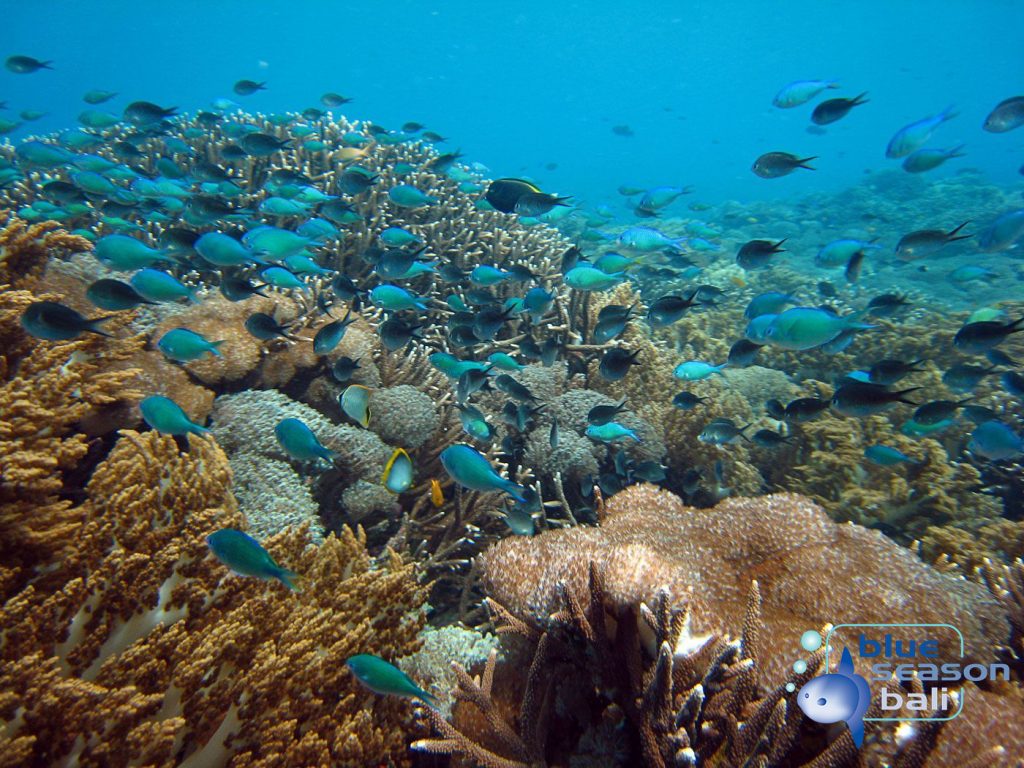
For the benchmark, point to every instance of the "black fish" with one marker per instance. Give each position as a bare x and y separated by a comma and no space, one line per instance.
666,310
742,353
775,409
328,337
998,357
514,389
395,333
248,87
489,320
204,170
611,321
975,338
56,322
964,377
836,109
708,294
852,271
344,288
889,371
26,65
616,362
538,203
443,163
470,382
602,414
648,472
1013,383
623,130
858,398
142,113
570,258
887,304
312,113
553,434
773,165
938,410
331,99
451,273
549,350
755,254
344,368
979,414
114,295
264,327
263,144
353,182
766,438
691,481
804,409
395,262
923,242
686,401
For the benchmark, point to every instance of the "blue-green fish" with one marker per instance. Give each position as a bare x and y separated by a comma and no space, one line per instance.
183,345
278,206
451,366
394,298
126,253
328,337
397,237
407,196
610,432
166,416
485,274
769,303
98,97
384,678
800,328
910,137
301,264
98,119
800,92
398,472
587,278
646,239
223,250
922,160
1004,233
887,456
157,285
273,242
697,370
504,362
839,252
245,556
299,442
279,277
37,153
470,469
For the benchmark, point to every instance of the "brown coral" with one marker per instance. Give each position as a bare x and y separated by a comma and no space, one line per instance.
649,540
138,647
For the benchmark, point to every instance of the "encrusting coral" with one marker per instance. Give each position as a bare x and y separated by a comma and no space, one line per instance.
137,647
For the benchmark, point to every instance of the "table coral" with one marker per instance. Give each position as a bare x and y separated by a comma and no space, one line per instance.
140,648
706,558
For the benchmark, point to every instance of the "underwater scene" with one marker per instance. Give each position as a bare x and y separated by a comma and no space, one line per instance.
537,386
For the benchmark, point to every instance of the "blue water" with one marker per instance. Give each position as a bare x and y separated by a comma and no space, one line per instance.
524,85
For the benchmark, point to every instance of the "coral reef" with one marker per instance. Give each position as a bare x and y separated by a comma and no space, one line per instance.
137,647
706,558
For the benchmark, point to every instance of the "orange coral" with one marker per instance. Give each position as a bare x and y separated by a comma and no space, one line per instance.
649,539
139,648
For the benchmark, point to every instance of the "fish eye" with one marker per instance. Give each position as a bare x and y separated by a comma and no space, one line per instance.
822,702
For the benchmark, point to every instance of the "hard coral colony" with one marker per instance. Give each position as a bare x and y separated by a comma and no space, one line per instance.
296,408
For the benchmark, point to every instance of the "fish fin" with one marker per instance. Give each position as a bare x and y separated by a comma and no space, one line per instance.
952,234
289,578
857,100
948,113
845,663
198,429
802,162
215,347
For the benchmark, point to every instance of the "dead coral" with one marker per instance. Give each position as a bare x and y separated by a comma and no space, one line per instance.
138,647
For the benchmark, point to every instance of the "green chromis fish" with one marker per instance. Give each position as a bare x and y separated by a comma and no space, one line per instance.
800,328
910,137
407,196
587,278
696,370
995,441
397,237
394,298
387,679
114,295
126,253
299,442
166,416
470,469
922,160
183,345
800,92
157,285
245,556
611,432
886,456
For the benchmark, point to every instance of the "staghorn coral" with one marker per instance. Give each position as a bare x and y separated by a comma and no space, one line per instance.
26,248
140,648
953,547
648,539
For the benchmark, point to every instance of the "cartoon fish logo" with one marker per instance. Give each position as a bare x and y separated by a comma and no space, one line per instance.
840,696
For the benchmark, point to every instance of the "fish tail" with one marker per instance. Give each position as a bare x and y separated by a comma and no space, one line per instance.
948,113
198,429
900,396
427,698
833,84
859,99
93,326
289,578
952,234
514,490
802,162
955,151
215,347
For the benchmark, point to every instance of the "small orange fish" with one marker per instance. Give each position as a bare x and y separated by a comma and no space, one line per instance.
436,494
738,281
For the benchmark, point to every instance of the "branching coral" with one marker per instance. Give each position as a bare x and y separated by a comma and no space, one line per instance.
139,648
